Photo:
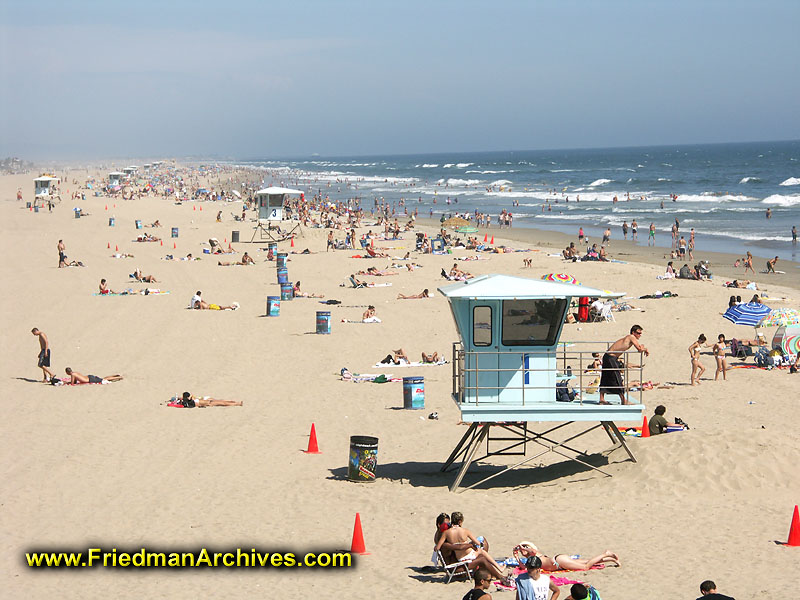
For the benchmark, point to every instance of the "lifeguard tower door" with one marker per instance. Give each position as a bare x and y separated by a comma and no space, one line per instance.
482,365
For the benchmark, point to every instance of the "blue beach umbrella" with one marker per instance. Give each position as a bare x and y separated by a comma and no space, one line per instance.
749,313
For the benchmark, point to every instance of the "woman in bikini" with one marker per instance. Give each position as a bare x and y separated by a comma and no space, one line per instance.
697,367
748,263
563,561
720,348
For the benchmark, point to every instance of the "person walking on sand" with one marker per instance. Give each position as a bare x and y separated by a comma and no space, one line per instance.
719,355
611,377
44,354
748,263
697,367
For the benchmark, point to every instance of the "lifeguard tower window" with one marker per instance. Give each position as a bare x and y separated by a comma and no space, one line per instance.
532,322
482,326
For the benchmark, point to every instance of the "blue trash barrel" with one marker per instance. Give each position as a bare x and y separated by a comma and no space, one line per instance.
363,461
281,258
77,214
272,249
324,321
287,291
273,306
174,232
414,392
111,221
283,275
138,223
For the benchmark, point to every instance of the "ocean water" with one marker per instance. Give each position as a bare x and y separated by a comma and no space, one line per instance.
723,190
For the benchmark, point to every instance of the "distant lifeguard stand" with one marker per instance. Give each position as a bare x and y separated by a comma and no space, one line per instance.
44,186
115,178
508,362
270,212
130,172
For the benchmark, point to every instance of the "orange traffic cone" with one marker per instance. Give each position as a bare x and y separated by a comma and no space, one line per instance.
194,207
225,240
794,529
358,547
109,245
201,209
371,242
645,428
174,246
106,206
313,447
485,237
492,242
116,248
162,242
292,241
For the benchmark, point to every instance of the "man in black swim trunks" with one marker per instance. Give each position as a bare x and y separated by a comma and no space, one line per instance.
44,354
75,377
611,376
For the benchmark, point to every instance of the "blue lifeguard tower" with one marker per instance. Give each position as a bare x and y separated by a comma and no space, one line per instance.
508,363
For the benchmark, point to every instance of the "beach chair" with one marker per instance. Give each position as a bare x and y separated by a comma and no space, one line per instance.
456,569
355,284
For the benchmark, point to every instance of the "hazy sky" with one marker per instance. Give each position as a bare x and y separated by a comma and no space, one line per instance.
246,79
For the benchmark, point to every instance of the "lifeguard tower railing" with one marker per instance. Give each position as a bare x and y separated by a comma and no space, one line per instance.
479,376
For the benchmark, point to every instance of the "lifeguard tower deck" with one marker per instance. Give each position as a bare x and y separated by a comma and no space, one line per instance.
508,363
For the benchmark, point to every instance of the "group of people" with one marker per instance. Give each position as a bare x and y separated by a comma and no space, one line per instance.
44,357
719,349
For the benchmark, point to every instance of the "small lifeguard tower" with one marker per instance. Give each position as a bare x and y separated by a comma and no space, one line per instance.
115,178
130,172
44,186
270,210
508,363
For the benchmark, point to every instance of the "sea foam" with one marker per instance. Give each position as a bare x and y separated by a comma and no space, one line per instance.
791,181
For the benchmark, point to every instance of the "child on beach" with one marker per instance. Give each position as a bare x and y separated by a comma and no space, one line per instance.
697,367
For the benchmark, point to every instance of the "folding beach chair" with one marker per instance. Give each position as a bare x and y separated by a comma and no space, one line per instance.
456,569
355,284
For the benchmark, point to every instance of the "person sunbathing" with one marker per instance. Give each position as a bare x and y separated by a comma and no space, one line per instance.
371,252
203,305
155,223
430,358
122,255
246,260
397,357
465,546
146,237
423,294
563,561
298,294
76,378
190,401
137,275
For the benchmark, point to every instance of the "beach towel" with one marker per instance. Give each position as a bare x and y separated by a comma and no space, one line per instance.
363,321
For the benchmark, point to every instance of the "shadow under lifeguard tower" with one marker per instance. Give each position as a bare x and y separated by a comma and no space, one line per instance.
508,363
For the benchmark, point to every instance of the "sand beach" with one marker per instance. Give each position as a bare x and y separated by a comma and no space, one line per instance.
114,466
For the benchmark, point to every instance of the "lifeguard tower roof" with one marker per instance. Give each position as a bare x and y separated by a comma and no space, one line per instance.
506,287
277,190
46,178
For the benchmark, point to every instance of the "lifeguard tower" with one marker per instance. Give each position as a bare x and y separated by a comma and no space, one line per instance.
130,172
44,186
508,363
270,212
115,179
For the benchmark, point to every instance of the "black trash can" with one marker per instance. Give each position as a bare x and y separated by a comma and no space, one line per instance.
234,236
363,461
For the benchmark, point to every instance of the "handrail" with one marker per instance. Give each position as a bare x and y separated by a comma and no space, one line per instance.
566,355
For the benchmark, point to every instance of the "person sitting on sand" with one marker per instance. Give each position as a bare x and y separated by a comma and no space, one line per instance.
202,305
670,272
246,260
190,401
465,546
104,288
564,561
657,423
137,275
369,315
76,378
298,294
371,252
423,294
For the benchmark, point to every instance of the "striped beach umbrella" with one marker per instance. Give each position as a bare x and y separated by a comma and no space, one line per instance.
561,278
749,313
780,317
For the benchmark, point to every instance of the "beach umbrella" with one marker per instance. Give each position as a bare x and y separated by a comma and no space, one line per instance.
749,313
561,278
780,317
455,222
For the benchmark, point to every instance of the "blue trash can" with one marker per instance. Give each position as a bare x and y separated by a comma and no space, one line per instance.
281,260
174,232
324,322
138,223
273,306
414,392
283,275
287,291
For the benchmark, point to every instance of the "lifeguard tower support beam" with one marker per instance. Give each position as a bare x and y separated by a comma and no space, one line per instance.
270,210
505,370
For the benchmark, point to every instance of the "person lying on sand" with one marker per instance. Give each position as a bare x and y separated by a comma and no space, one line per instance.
298,294
423,294
371,252
190,401
375,272
76,378
155,223
137,275
203,305
430,358
122,255
563,561
146,237
397,357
